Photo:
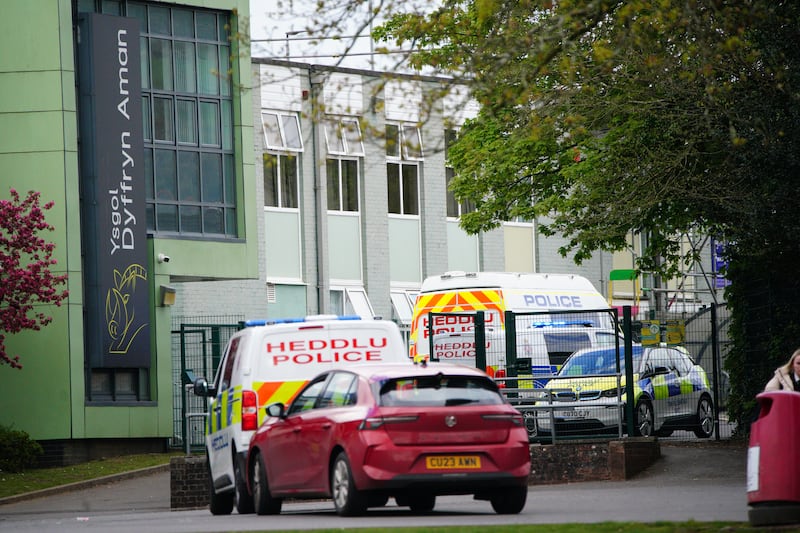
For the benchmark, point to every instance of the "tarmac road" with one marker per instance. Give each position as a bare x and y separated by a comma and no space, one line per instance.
704,482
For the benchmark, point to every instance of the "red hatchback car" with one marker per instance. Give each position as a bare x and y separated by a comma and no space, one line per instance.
365,433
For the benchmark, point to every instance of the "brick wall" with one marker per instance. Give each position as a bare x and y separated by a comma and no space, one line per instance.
188,484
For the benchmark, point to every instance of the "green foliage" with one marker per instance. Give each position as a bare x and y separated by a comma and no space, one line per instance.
17,450
603,119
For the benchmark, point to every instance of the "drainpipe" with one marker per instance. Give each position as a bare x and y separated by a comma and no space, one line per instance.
320,199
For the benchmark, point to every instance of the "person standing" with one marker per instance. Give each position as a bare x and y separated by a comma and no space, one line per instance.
787,377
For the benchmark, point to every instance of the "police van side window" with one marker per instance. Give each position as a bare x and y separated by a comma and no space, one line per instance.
227,370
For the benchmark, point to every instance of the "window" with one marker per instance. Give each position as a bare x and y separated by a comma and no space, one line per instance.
351,301
403,305
342,175
281,176
281,131
343,136
187,106
307,399
341,390
403,144
454,208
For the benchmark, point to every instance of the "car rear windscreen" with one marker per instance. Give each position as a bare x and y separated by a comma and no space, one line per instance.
439,391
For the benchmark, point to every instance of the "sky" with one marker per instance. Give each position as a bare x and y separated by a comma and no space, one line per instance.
279,30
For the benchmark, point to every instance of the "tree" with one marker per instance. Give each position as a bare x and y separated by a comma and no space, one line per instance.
26,279
607,118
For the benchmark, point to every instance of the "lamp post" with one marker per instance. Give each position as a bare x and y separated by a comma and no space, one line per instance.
289,34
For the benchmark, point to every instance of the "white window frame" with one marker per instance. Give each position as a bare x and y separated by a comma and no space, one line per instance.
281,121
403,304
408,136
357,299
348,131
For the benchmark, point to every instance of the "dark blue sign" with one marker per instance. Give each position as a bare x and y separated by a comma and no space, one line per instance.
113,193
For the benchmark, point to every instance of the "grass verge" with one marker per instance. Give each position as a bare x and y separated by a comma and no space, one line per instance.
12,484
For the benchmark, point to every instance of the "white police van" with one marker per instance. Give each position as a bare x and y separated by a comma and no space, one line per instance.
268,362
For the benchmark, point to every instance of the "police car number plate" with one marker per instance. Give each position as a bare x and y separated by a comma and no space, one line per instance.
447,462
570,414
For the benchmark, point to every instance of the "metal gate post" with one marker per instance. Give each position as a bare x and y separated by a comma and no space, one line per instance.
715,365
480,341
626,331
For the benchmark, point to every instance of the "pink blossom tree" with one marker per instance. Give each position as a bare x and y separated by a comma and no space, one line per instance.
26,281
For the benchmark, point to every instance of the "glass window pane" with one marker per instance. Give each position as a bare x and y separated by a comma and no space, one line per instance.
292,131
272,133
147,124
182,23
187,121
185,76
289,180
166,183
190,219
206,26
392,140
349,185
230,221
150,211
159,20
163,126
207,69
413,142
227,125
270,180
223,28
148,173
230,179
332,172
352,133
139,12
212,177
144,54
393,186
111,7
225,70
189,176
333,137
161,61
213,221
452,205
410,200
209,123
166,217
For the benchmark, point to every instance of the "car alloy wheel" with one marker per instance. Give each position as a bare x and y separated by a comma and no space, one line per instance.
644,419
262,499
705,419
347,499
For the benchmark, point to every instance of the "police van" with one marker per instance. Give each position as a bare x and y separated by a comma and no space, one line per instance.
268,362
558,314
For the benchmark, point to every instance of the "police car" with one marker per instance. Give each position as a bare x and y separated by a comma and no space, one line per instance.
587,396
268,362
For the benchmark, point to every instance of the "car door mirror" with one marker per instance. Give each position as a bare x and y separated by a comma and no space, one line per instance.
277,410
202,388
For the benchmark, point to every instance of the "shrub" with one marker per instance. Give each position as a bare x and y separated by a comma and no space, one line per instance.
17,450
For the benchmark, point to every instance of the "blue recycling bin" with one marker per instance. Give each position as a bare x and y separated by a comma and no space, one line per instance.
773,460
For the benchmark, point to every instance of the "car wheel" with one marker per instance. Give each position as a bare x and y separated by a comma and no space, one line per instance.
643,426
529,418
705,418
665,432
218,504
242,498
347,499
263,501
422,503
510,501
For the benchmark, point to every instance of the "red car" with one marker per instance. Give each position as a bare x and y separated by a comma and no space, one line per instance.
365,433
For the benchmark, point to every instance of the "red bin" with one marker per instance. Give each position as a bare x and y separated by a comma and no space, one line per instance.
773,460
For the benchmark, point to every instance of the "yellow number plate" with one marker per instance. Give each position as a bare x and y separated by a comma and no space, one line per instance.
449,462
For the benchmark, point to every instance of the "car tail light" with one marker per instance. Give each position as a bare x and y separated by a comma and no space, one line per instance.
515,419
249,410
375,422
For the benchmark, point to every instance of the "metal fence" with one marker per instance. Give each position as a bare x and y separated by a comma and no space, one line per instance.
526,356
198,344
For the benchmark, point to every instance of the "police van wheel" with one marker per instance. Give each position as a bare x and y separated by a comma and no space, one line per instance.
643,419
705,419
263,501
347,499
218,504
243,500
